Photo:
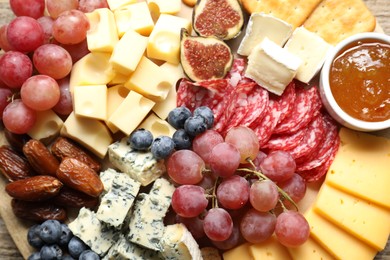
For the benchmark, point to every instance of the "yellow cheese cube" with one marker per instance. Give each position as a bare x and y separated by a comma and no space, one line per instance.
364,220
270,249
93,69
166,6
240,252
150,80
128,52
102,35
135,16
115,4
164,41
119,79
361,166
157,126
115,96
310,250
90,133
90,101
325,233
130,113
48,124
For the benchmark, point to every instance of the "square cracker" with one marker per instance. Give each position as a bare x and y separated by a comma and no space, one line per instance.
335,20
294,12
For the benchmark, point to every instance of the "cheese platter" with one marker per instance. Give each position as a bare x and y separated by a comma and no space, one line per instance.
19,227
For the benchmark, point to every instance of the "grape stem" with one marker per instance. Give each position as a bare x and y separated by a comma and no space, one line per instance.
214,200
261,176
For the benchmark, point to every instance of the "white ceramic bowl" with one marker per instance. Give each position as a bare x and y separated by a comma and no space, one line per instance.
326,94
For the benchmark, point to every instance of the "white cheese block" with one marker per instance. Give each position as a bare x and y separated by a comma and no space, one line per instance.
166,6
271,66
130,113
92,232
311,49
157,126
115,4
92,134
134,16
146,225
102,35
116,203
141,166
91,106
179,244
124,59
48,124
261,26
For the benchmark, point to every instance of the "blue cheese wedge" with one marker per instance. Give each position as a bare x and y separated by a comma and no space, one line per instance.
146,226
93,232
141,166
179,244
116,203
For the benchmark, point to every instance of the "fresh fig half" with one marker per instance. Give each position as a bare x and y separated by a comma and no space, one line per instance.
223,19
204,58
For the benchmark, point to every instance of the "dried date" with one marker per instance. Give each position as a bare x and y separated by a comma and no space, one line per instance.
75,199
37,211
13,166
40,157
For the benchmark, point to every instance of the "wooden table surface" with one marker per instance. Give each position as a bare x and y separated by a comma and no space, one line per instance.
8,249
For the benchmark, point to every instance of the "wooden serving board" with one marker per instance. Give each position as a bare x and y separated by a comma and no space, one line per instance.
17,228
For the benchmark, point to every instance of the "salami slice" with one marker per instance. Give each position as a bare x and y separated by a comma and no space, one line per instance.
267,125
285,142
258,101
286,101
190,95
314,136
304,108
236,72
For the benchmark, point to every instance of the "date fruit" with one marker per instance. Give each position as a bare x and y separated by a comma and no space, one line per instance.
79,176
40,158
62,148
16,141
13,166
37,211
36,188
75,199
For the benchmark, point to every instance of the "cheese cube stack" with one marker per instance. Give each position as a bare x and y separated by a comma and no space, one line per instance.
348,220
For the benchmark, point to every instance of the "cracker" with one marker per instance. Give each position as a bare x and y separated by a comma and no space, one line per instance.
335,20
294,12
190,3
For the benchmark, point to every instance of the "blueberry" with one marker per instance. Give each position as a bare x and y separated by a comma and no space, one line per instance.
195,125
207,113
89,255
181,139
66,235
33,237
162,147
178,116
50,231
67,257
35,256
76,246
51,252
141,139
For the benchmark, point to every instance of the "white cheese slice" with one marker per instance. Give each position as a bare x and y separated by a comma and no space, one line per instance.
261,26
271,66
311,49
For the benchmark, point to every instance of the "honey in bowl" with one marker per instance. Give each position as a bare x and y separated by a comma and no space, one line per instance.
359,79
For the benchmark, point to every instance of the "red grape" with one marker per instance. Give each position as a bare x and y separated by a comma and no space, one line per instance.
16,68
64,106
256,226
56,7
185,167
32,8
25,34
18,118
224,159
47,25
233,192
4,43
207,182
88,6
218,225
5,99
189,201
264,195
295,187
292,229
40,92
278,166
71,27
232,241
194,225
205,142
52,60
76,51
245,140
